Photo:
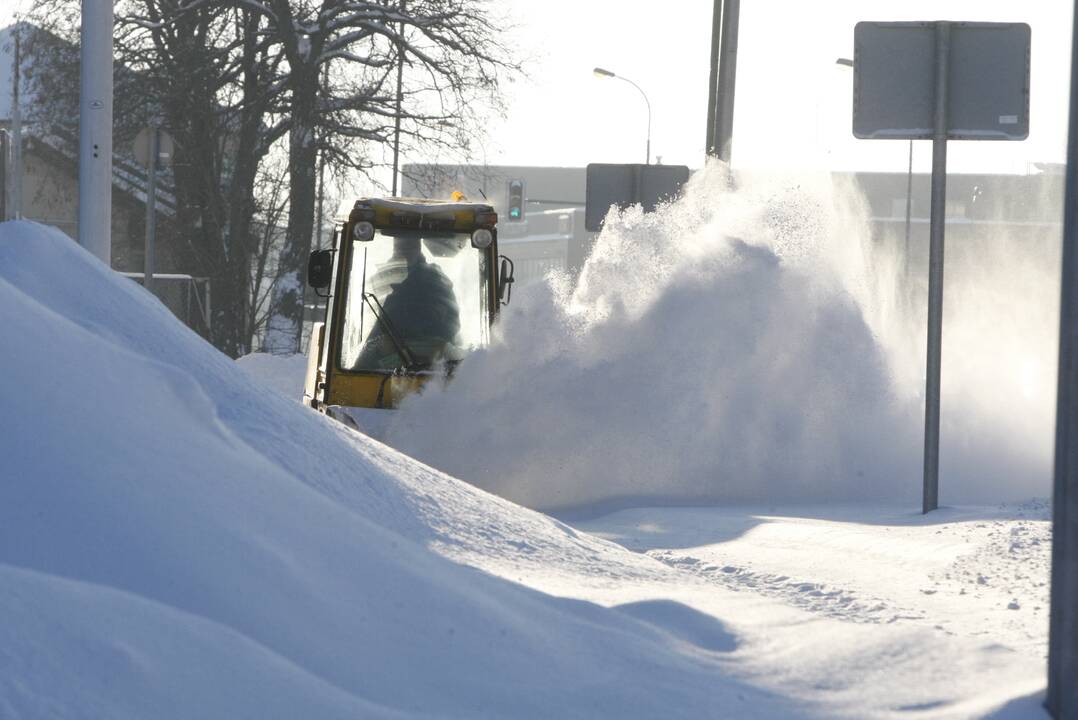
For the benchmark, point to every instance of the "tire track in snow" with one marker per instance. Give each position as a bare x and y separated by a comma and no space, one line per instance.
813,597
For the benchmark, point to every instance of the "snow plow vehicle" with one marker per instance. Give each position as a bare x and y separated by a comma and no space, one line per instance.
411,286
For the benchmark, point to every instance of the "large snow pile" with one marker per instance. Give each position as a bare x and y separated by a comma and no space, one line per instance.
751,345
177,542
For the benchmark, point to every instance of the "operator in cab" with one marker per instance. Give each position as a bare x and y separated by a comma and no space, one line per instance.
415,309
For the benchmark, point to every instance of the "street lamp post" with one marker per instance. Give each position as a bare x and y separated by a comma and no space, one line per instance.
95,129
600,72
400,100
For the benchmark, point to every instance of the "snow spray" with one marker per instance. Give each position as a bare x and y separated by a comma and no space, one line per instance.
752,345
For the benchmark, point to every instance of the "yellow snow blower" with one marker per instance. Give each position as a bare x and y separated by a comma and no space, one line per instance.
411,286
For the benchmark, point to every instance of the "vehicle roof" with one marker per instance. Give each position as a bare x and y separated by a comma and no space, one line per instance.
424,205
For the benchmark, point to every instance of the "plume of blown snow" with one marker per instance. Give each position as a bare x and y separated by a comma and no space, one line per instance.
707,352
753,344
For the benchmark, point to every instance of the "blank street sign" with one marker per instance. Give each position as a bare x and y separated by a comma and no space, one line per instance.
625,185
166,148
894,81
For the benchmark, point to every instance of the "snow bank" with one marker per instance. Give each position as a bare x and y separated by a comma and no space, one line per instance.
176,542
747,345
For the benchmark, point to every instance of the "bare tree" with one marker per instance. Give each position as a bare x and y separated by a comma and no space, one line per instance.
209,71
233,79
455,59
272,194
202,75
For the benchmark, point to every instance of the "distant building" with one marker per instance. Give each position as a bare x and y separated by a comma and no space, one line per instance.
551,234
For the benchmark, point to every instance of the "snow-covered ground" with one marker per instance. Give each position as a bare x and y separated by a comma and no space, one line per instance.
177,542
972,572
978,576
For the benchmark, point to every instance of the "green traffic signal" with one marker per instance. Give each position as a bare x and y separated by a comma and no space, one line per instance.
516,200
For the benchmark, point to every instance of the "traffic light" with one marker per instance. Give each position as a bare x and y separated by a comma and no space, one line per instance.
516,200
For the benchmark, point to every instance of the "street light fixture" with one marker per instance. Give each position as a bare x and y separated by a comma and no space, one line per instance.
600,72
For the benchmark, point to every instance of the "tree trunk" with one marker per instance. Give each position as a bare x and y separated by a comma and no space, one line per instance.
285,328
216,207
241,205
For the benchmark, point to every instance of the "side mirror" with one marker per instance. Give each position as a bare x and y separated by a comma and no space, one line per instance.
505,281
320,269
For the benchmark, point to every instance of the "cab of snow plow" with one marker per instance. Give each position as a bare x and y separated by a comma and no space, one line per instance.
412,287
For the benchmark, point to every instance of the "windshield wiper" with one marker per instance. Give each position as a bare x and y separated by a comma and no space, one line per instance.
399,345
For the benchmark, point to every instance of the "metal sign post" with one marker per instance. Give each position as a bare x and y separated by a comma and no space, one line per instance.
153,148
151,211
95,130
930,495
5,173
1062,697
940,81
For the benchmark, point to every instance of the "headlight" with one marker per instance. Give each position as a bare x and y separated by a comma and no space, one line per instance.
482,238
363,231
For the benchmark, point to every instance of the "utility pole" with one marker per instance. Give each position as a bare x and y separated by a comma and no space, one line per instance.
720,104
16,135
1062,697
400,101
319,219
713,75
95,130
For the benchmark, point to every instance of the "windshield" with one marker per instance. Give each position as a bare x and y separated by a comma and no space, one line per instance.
415,299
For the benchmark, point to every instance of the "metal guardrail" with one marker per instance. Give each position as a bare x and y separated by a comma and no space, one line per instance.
187,296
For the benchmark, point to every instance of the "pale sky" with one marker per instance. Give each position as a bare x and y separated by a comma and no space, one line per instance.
792,102
8,9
